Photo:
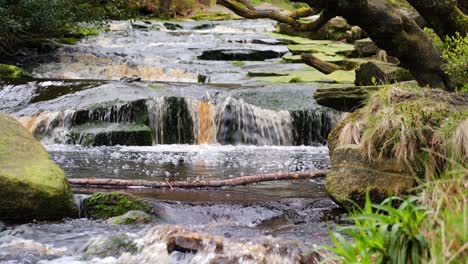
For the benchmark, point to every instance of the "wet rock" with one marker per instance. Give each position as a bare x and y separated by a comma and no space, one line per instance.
185,243
351,174
372,73
326,47
345,98
365,47
131,217
111,135
32,185
11,71
204,26
240,55
142,25
172,26
110,246
106,205
134,78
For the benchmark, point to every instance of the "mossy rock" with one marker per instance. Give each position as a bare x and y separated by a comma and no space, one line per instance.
323,46
373,72
114,246
310,75
32,186
343,98
105,205
11,71
131,217
351,175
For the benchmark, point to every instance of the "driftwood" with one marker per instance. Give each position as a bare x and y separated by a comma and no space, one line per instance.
322,66
91,182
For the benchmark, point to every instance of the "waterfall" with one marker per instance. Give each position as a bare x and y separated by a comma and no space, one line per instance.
180,120
242,123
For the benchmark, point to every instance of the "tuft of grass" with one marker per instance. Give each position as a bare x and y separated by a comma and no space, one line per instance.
383,233
409,124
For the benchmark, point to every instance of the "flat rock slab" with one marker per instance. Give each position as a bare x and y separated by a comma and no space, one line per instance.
240,55
323,46
372,73
345,98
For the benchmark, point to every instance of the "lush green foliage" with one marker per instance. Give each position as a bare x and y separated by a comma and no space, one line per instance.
383,234
455,53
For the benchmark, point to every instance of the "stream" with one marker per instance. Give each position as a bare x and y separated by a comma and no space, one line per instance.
169,101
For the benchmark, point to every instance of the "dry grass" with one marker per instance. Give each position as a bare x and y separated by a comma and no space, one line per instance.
409,124
446,228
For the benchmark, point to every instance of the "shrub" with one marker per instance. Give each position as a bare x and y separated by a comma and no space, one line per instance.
383,234
455,54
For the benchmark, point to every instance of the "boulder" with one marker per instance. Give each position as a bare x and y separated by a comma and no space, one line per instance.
365,47
351,175
32,186
373,73
131,217
105,205
240,55
345,98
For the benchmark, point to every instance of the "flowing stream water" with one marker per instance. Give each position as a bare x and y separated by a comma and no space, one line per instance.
193,115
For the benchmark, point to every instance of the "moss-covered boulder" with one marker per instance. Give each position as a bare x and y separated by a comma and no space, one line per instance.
11,71
343,98
32,186
373,72
131,217
351,174
402,134
114,245
105,205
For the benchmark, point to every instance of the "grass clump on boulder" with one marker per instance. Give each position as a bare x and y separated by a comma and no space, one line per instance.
403,131
105,205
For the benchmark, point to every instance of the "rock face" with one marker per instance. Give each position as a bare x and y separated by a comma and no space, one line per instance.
240,55
106,205
351,175
131,217
372,73
32,186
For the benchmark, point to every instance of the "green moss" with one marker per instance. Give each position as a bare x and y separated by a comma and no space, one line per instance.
215,16
238,63
326,47
32,185
156,87
310,75
68,41
131,217
106,205
110,246
11,71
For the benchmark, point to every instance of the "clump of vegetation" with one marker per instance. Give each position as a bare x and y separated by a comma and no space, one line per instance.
417,127
238,63
383,234
455,54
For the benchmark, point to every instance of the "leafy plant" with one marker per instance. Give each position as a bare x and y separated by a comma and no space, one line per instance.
455,54
383,234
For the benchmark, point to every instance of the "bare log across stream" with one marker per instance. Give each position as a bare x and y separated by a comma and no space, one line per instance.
322,66
278,176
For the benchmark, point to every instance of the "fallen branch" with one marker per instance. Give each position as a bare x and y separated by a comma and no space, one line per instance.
322,66
89,182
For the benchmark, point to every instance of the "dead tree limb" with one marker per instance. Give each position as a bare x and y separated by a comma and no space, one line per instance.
322,66
279,176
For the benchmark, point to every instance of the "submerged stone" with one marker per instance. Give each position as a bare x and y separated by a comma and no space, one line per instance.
240,55
114,246
131,217
32,186
105,205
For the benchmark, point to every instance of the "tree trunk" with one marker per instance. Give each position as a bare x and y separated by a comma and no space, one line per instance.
443,16
320,65
88,182
396,33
